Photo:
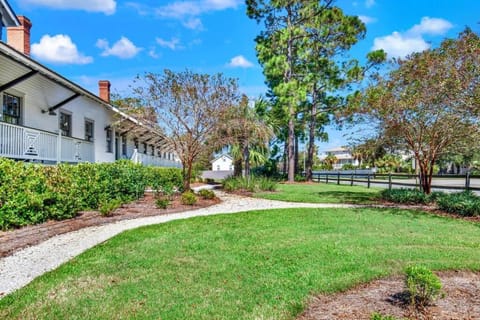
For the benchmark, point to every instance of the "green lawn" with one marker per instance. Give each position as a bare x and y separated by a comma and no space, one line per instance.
322,193
254,265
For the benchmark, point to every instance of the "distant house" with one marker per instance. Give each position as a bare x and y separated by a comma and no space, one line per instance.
343,156
47,118
224,162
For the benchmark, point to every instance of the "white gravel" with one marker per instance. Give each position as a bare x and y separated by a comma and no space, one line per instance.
18,269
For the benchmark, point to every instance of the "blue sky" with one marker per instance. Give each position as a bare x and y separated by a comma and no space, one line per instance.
90,40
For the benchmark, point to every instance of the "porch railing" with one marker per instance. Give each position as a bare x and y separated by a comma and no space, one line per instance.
24,143
149,160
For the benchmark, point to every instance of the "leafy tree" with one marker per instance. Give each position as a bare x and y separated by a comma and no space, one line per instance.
298,49
247,133
329,161
190,108
430,102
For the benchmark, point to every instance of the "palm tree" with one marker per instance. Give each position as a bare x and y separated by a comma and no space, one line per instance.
248,135
329,161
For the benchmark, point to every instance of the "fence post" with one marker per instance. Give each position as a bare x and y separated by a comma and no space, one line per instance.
351,179
467,181
326,178
389,181
338,177
368,180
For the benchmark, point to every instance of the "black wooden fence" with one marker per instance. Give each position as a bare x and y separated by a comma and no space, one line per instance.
368,178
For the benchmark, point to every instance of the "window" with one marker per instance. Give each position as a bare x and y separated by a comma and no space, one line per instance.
108,135
144,148
124,145
89,130
11,109
66,124
153,150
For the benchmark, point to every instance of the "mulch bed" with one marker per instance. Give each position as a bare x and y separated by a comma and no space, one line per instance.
461,300
11,241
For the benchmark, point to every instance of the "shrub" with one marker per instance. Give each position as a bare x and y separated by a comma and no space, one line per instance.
107,207
206,194
250,184
31,193
300,178
379,316
188,198
409,196
162,203
463,203
422,285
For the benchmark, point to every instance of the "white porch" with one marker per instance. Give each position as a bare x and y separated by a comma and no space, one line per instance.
18,142
149,160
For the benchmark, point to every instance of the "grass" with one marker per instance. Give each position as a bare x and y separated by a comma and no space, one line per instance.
322,193
254,265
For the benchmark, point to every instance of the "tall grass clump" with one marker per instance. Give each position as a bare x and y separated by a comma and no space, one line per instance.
249,184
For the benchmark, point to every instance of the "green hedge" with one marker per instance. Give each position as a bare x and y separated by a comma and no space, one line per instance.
464,203
31,193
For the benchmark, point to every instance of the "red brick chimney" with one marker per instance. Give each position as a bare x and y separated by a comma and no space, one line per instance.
104,90
19,37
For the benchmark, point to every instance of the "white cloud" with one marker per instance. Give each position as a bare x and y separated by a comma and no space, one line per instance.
123,48
106,6
432,26
193,24
173,44
367,19
398,45
152,53
59,49
240,62
402,44
187,12
369,3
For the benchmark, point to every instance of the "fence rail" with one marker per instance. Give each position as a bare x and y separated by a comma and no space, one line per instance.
448,182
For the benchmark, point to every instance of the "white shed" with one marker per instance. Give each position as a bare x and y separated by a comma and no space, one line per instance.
223,162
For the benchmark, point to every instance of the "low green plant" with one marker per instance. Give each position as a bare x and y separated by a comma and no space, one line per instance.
206,194
407,196
107,207
162,203
300,178
188,198
422,285
379,316
249,184
463,203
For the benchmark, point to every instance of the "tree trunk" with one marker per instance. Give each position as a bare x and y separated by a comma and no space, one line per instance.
426,172
285,153
311,138
187,175
246,158
237,167
297,170
291,149
291,107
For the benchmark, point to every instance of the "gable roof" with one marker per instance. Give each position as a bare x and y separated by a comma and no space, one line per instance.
7,16
27,62
222,155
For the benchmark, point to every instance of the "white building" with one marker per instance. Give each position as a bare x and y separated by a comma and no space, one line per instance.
343,157
223,162
47,118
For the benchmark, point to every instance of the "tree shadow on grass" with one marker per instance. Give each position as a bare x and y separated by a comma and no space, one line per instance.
350,197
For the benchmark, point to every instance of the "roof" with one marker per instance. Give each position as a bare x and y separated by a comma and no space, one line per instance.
338,149
33,65
222,155
7,16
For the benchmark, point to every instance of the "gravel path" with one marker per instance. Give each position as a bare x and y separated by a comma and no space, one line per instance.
25,265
